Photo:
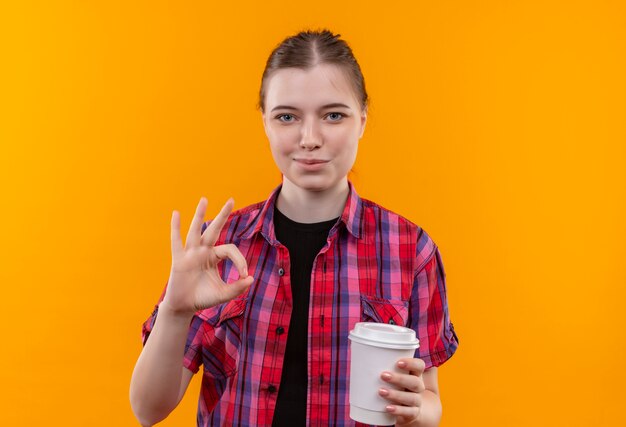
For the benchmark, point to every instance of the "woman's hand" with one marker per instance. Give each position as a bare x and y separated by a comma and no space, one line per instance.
195,283
406,402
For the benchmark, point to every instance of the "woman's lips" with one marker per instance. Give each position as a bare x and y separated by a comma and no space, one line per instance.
311,161
311,164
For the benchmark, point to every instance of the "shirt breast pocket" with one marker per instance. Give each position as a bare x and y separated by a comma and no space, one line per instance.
381,310
223,353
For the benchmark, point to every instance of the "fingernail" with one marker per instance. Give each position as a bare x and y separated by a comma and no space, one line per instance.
390,408
402,364
383,391
386,376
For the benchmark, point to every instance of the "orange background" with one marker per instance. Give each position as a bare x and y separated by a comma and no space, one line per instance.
499,127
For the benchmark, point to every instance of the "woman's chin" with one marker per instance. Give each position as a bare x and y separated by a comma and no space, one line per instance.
314,183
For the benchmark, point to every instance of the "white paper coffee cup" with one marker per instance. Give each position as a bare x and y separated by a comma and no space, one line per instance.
375,347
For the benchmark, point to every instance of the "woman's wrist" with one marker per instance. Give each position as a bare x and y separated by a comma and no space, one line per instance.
172,315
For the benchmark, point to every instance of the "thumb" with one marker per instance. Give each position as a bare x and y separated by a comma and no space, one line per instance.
234,289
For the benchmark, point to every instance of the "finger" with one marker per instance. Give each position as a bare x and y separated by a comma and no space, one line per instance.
193,235
407,412
233,253
413,365
400,397
177,244
404,381
236,288
212,232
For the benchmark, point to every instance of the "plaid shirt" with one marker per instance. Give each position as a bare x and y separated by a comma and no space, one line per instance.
376,266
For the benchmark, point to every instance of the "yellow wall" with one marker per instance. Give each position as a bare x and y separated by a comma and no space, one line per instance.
500,127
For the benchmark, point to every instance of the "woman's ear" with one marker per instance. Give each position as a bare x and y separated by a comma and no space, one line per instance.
264,124
363,121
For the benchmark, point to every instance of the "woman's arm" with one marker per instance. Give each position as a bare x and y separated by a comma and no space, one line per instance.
159,380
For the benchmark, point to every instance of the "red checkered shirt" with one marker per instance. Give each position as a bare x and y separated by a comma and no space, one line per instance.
376,266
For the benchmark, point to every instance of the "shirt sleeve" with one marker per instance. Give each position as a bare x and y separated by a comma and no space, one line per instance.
429,314
193,347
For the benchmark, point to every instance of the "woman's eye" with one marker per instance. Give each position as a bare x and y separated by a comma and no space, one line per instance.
335,116
285,118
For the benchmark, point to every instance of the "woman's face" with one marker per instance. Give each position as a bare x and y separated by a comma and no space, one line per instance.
313,122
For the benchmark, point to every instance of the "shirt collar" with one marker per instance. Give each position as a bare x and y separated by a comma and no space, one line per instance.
352,216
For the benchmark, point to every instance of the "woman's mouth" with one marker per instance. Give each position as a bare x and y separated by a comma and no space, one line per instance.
311,161
311,164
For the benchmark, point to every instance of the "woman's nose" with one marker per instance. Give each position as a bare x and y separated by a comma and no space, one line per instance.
311,137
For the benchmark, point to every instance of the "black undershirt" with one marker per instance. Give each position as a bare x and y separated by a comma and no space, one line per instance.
303,241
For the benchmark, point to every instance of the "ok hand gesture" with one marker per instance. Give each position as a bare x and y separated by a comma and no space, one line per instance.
195,282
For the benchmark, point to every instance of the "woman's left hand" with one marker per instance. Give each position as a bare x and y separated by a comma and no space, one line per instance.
406,402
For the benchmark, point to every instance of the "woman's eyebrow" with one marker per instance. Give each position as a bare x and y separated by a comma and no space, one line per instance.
334,105
323,107
283,107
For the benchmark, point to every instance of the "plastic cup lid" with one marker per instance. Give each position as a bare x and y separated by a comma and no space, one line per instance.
384,335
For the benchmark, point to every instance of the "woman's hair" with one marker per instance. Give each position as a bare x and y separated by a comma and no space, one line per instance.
310,48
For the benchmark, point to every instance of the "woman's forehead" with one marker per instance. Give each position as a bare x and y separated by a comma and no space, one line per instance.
320,85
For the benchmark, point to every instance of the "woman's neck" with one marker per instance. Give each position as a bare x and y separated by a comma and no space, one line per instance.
309,207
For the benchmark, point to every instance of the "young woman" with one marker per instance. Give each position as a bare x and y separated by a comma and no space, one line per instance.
264,298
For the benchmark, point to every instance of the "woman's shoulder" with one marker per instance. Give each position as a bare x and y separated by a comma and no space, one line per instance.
381,222
375,211
238,221
252,209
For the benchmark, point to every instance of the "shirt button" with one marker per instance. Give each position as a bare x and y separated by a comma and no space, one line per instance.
280,330
391,322
271,388
281,272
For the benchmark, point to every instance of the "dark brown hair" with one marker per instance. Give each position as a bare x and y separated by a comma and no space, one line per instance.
310,48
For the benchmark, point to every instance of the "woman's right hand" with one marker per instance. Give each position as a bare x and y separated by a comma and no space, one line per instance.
195,282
